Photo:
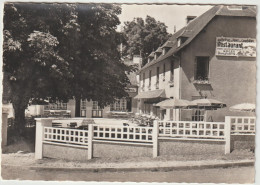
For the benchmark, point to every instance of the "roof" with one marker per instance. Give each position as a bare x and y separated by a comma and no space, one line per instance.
160,93
151,55
159,50
167,44
194,27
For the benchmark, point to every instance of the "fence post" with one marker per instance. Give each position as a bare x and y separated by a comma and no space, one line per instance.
39,138
227,134
155,138
4,127
90,141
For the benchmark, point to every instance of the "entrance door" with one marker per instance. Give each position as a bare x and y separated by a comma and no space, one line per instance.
129,104
96,111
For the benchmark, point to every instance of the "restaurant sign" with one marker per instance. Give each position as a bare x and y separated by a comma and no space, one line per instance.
228,46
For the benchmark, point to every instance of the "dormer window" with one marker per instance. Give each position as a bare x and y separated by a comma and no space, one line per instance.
166,47
165,50
158,53
181,40
150,57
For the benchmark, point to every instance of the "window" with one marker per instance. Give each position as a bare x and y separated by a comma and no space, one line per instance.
83,108
181,40
157,77
119,105
157,74
201,68
56,106
164,71
150,78
123,104
143,79
172,71
95,105
165,50
198,115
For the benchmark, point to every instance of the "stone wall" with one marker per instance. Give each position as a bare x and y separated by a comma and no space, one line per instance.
190,147
121,150
239,142
65,152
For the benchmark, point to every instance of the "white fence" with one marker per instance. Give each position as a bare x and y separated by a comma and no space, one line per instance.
195,130
65,135
242,125
192,129
123,133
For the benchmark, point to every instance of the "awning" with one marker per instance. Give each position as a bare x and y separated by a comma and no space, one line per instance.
175,104
151,94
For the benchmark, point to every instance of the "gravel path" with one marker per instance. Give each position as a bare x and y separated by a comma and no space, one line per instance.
27,159
22,154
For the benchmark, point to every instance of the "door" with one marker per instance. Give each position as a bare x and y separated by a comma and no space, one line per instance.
129,104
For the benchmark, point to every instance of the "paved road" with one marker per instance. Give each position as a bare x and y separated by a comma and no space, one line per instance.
220,175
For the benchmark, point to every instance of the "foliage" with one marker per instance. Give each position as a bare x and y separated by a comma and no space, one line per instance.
60,51
144,36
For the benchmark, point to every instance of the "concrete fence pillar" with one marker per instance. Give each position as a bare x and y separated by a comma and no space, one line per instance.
4,128
227,135
155,138
90,141
39,135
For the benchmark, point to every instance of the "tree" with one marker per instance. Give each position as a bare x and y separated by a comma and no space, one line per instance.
32,65
91,45
62,51
143,37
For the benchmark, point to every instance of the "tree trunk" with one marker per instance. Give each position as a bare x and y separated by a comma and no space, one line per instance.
77,107
19,120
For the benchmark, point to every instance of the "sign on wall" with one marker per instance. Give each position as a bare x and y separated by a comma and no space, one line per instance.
228,46
131,89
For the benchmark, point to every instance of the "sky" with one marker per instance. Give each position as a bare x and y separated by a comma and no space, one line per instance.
169,14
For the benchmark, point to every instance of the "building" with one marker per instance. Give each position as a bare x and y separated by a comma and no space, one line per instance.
213,56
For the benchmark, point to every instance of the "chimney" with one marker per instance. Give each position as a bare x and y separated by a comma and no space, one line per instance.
137,60
190,18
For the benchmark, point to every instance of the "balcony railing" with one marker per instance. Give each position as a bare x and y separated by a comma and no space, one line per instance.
201,80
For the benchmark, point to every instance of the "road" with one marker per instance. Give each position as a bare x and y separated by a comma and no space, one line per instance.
219,175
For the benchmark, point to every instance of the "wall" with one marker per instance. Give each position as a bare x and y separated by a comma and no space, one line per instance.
119,150
71,106
65,152
239,142
190,147
163,82
170,91
232,79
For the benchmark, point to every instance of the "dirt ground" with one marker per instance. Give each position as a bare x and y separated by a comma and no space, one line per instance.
22,153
